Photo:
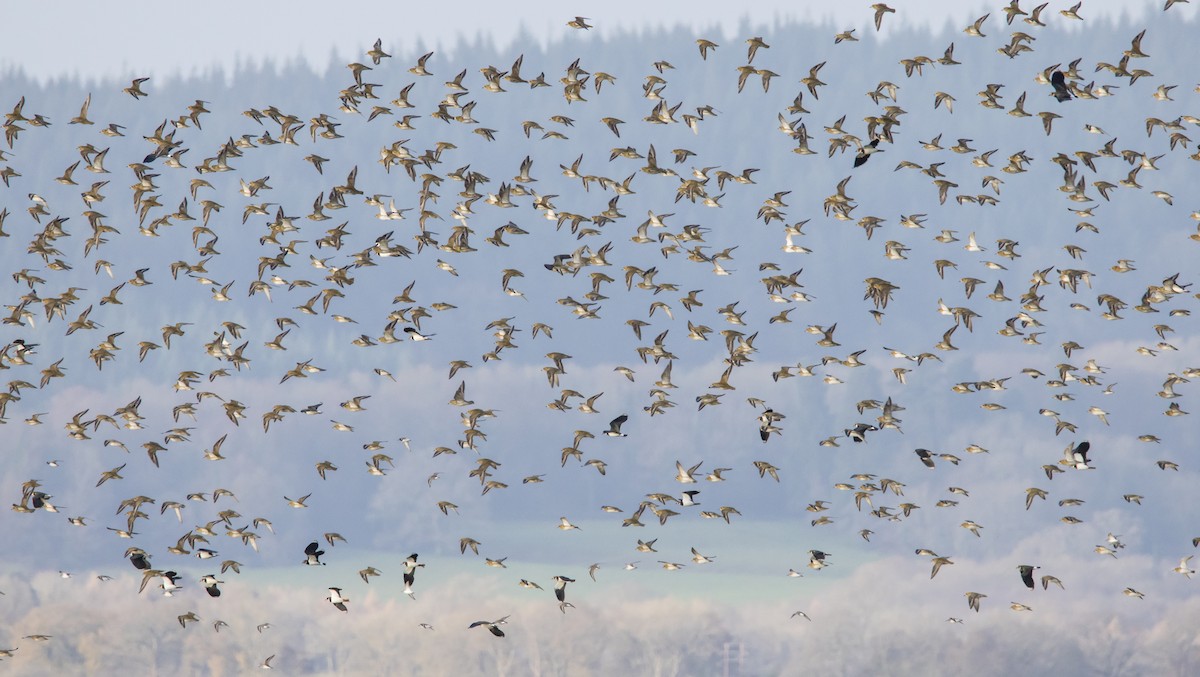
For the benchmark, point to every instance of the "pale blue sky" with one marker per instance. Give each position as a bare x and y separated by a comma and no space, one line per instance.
89,39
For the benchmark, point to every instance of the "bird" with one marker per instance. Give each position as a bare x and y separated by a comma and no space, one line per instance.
684,475
560,590
135,89
1026,571
614,426
418,336
210,582
1183,567
1048,579
938,563
139,558
336,599
492,626
167,580
410,568
297,503
858,433
816,559
880,9
1061,91
1077,456
312,554
766,424
865,152
705,46
1032,493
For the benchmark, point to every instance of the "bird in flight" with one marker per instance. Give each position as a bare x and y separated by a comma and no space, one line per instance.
1026,571
1061,92
337,600
492,626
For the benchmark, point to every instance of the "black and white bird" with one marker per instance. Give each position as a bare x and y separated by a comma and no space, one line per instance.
816,559
335,598
1078,456
766,424
139,558
1027,574
859,432
614,426
560,591
688,497
866,151
169,583
20,348
1061,92
492,626
926,457
210,582
418,336
312,555
410,569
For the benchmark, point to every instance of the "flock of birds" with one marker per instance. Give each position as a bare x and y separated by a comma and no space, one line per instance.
58,238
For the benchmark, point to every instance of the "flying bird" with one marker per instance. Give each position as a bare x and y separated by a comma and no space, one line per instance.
881,9
865,152
312,554
1077,456
410,568
210,585
973,599
1026,571
560,591
1061,92
335,598
614,426
492,626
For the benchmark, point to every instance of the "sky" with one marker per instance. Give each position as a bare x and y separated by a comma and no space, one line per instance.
1039,304
96,40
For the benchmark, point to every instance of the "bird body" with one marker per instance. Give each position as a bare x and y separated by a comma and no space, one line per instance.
1026,571
337,600
1061,91
312,555
492,626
